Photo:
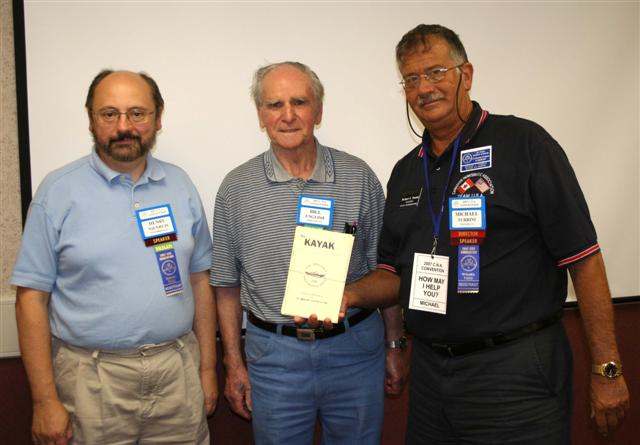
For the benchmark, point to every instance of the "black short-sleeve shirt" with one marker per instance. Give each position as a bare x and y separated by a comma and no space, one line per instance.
537,222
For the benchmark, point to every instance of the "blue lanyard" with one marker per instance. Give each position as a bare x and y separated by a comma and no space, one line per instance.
435,221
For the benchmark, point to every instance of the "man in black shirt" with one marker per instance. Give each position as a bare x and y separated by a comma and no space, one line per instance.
482,222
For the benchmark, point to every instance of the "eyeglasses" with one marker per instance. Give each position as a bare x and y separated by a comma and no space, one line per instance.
110,116
434,75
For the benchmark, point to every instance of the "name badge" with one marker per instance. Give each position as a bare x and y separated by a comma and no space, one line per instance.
315,211
467,213
156,222
475,159
411,198
429,283
169,271
468,269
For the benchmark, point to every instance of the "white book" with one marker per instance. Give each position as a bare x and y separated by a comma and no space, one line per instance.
317,273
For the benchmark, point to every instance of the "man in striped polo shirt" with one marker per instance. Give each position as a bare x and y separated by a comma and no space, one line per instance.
338,376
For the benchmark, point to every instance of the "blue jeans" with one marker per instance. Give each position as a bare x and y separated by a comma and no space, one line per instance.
338,380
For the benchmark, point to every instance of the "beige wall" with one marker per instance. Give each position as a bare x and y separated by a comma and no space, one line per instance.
10,215
560,77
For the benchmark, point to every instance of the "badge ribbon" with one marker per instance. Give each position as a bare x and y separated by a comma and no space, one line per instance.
467,228
158,229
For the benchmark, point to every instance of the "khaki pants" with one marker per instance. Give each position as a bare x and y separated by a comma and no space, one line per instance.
151,395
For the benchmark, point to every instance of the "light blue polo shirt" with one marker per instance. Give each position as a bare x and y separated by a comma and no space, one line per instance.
82,244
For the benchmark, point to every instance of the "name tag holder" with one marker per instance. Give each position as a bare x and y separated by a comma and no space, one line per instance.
467,227
315,211
158,230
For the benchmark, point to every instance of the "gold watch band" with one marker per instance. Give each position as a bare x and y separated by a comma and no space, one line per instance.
608,369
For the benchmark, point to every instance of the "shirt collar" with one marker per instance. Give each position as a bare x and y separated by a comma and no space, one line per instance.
323,170
152,172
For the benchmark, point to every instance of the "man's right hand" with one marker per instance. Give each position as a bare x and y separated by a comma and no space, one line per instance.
51,423
313,322
237,390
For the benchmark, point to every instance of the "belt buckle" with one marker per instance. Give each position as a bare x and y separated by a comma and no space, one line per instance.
446,348
305,334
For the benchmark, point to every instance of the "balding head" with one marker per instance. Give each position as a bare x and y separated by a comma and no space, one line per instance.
154,91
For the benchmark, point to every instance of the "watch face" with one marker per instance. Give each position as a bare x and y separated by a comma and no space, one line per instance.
610,370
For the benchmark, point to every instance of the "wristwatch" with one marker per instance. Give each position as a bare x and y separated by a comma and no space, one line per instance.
609,369
400,343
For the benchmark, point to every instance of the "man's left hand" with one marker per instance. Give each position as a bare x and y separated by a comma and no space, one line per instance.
396,372
209,381
609,402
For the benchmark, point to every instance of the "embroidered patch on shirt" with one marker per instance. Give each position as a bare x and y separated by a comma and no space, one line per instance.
410,198
473,184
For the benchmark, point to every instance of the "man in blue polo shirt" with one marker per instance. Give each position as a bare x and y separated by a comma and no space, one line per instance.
116,318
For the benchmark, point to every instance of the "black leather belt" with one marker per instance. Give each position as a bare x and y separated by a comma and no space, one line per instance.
309,334
457,349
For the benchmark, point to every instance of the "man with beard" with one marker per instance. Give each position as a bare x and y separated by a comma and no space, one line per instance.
116,319
482,221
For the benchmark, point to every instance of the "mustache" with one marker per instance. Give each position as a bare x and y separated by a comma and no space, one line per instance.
424,99
124,136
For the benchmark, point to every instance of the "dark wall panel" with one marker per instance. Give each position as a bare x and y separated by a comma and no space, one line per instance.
229,429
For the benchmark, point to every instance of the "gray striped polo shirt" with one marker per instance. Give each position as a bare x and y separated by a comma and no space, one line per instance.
255,218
